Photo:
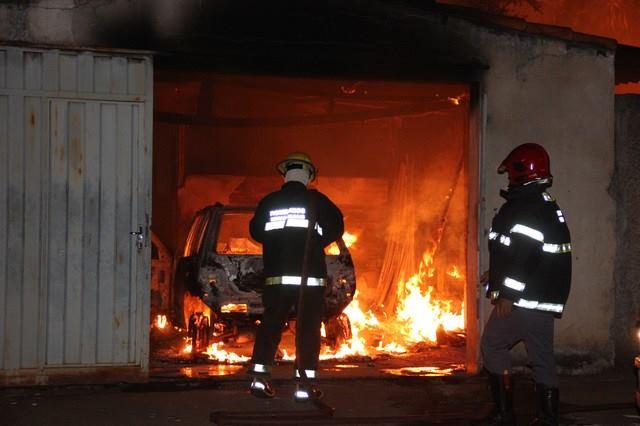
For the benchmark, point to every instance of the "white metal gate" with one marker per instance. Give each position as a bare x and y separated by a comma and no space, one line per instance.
75,147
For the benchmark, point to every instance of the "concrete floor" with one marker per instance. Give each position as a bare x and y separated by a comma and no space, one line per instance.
602,399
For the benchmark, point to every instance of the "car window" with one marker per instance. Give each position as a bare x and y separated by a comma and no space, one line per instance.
196,234
233,236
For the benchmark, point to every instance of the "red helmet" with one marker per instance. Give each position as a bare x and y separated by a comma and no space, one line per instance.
526,163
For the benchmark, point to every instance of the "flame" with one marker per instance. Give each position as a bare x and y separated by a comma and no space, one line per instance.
233,307
454,272
286,356
161,321
215,352
418,315
348,238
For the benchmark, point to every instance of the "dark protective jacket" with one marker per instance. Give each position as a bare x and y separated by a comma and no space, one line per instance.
280,224
530,251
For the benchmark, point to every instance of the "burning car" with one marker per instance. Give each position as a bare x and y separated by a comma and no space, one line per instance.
222,266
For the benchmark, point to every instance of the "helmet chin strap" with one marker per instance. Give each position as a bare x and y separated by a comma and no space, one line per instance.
297,175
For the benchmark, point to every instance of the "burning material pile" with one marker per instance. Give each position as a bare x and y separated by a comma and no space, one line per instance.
419,318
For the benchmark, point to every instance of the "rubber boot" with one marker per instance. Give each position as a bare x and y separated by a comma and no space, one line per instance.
548,400
304,393
262,388
502,394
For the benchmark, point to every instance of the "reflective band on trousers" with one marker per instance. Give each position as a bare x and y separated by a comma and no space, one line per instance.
293,280
259,368
514,284
255,384
533,304
557,248
529,232
301,394
311,374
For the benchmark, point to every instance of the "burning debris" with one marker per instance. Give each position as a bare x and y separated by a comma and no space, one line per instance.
198,330
160,322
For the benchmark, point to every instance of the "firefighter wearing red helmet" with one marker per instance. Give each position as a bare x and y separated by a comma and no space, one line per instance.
528,282
282,223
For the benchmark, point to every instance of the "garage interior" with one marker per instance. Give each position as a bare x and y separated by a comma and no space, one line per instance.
394,156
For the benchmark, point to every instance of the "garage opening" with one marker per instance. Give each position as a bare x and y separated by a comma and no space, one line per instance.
394,156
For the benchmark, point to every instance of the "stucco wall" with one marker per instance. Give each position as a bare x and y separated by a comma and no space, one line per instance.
536,89
541,91
626,190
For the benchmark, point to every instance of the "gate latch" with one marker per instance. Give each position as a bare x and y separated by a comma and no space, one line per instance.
139,234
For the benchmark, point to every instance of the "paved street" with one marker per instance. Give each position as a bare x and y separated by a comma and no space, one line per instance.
358,398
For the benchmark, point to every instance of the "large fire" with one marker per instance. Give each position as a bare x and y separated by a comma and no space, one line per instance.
417,318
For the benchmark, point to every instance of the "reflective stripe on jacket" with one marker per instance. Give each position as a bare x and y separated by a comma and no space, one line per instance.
530,251
280,223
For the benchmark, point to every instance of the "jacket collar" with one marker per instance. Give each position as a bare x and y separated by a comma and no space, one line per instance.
293,184
521,191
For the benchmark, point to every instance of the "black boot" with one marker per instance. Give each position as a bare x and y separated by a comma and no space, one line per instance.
262,388
502,394
306,393
548,400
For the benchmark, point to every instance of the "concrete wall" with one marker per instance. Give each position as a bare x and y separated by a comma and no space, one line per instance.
543,91
626,190
536,89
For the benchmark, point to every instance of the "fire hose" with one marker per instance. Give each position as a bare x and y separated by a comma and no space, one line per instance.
321,406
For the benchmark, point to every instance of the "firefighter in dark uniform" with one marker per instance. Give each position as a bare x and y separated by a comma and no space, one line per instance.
280,223
529,279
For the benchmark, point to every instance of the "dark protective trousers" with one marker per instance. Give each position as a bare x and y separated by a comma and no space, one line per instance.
535,329
278,301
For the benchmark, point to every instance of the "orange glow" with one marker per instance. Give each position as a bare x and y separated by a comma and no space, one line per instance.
454,272
348,238
193,304
417,317
235,308
286,356
215,352
161,321
419,314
